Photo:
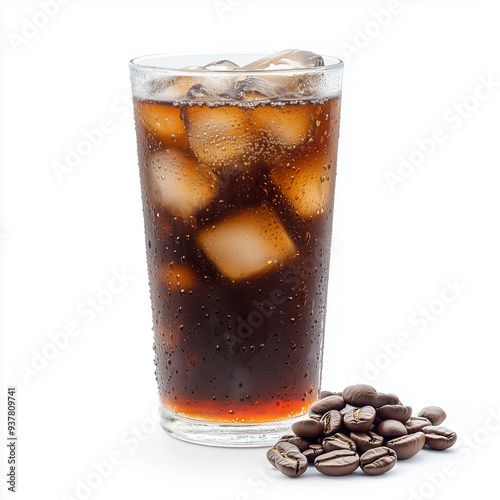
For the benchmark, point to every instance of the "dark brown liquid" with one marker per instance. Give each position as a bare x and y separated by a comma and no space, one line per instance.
234,344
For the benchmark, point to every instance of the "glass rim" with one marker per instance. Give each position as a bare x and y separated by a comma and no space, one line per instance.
139,63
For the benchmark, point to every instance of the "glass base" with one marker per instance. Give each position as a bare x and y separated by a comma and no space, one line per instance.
227,435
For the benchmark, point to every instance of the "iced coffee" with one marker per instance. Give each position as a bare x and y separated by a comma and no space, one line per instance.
238,164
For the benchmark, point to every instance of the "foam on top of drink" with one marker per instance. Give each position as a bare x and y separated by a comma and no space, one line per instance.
289,75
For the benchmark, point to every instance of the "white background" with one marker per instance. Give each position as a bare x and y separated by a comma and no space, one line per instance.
406,74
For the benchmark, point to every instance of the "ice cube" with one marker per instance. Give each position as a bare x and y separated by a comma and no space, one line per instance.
246,244
206,87
223,65
175,88
285,126
194,67
307,182
177,276
256,88
179,183
198,90
287,59
219,136
163,121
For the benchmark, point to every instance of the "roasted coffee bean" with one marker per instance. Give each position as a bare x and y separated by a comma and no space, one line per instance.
332,422
407,446
394,412
435,414
308,428
327,404
315,416
360,395
360,419
359,422
315,450
438,437
287,459
346,409
366,440
385,399
337,463
301,443
391,428
338,441
378,461
415,424
324,394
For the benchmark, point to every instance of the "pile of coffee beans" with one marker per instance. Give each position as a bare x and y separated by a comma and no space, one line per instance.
359,427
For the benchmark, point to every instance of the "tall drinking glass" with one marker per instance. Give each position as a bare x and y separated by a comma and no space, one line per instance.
237,158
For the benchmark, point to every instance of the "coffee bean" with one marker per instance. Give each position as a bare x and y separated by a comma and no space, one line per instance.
315,416
394,412
385,399
360,395
301,443
366,440
415,424
324,394
391,428
314,450
332,422
327,404
347,408
360,419
338,441
308,428
407,446
438,437
378,461
359,427
287,459
337,463
435,414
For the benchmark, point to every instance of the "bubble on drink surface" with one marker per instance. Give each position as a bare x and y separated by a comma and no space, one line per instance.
163,122
247,244
286,59
219,136
306,182
177,277
179,183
